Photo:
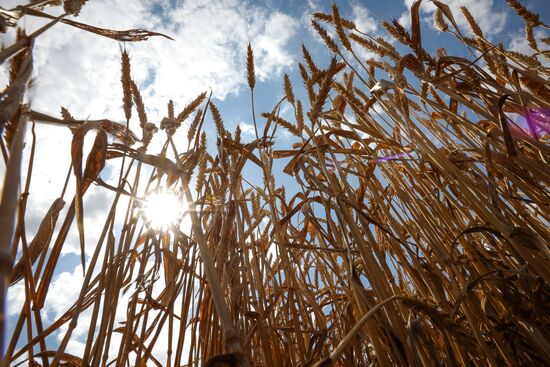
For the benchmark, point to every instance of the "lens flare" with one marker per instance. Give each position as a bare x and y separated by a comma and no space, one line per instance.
162,209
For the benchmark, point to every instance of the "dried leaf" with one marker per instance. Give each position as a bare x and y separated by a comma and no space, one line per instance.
94,164
40,241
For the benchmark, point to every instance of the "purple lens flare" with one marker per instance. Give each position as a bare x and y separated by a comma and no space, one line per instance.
535,123
393,157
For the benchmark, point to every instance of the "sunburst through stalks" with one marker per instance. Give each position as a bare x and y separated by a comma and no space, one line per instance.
163,209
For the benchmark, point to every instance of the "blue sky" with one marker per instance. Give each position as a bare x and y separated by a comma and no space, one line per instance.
81,72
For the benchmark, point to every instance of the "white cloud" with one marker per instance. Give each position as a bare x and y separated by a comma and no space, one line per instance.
64,291
16,299
366,24
363,19
490,19
81,71
247,129
270,54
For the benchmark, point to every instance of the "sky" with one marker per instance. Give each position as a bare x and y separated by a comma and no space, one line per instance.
81,72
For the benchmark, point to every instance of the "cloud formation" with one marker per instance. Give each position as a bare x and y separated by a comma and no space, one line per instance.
487,14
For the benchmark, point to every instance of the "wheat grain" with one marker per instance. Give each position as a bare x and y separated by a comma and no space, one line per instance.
325,37
288,89
126,80
251,75
529,17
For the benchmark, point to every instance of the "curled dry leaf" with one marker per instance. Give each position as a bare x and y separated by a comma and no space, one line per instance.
40,241
94,164
130,35
415,25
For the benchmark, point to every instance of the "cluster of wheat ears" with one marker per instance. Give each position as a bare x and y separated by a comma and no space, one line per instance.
418,234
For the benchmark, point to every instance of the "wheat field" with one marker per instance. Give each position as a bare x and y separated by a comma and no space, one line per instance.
417,236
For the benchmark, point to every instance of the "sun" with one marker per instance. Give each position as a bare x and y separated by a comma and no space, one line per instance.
163,208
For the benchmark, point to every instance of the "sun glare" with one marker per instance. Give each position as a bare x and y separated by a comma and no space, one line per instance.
161,209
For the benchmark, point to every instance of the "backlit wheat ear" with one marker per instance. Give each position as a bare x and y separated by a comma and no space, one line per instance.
530,37
238,134
194,125
281,121
190,108
299,116
220,127
324,90
201,175
398,32
202,145
523,59
126,80
439,21
471,21
330,19
66,115
73,6
313,69
288,89
528,16
308,83
325,36
17,60
250,73
140,107
171,109
340,28
12,96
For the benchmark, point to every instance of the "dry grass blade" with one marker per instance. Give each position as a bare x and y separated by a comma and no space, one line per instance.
130,35
439,21
94,164
508,140
8,208
335,354
116,129
40,241
415,24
